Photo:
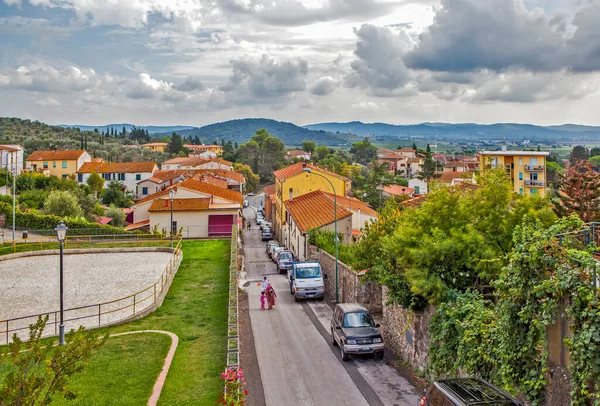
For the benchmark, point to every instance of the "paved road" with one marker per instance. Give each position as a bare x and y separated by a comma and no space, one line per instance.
298,365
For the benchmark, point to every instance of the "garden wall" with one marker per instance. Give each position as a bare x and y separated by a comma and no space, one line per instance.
352,286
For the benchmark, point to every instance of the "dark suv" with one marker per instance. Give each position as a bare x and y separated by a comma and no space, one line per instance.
466,392
353,329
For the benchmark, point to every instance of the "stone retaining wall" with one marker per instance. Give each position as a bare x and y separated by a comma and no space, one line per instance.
351,284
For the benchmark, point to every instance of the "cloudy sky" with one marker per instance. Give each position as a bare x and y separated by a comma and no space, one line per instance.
196,62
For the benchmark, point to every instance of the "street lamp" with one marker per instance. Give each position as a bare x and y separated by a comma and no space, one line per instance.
171,197
61,234
335,239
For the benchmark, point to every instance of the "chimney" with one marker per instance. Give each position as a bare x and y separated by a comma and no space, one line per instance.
291,194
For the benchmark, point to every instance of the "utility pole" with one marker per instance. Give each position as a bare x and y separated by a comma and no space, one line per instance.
14,190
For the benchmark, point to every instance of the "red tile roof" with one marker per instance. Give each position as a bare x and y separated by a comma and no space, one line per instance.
117,167
314,210
213,180
270,191
156,195
296,169
155,144
352,203
193,204
406,150
59,155
398,190
223,173
413,160
448,177
139,224
196,161
202,187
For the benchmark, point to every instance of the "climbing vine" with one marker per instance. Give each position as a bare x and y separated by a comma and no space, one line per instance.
506,342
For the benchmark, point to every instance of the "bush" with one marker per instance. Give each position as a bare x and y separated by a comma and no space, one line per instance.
62,203
117,215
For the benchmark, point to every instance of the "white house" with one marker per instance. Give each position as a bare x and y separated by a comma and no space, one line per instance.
128,173
11,158
419,185
200,210
183,163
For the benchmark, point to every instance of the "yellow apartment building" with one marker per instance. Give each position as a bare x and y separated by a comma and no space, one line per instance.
526,169
156,146
291,182
61,163
217,149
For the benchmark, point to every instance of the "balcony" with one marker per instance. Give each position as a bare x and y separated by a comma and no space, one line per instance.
534,168
535,183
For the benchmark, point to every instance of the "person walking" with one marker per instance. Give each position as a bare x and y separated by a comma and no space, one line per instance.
262,300
271,295
264,284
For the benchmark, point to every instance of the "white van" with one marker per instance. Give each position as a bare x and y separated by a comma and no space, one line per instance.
306,281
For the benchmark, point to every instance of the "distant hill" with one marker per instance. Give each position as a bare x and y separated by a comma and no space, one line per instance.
118,127
242,130
466,131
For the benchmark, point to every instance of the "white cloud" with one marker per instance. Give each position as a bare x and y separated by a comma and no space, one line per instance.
48,102
323,86
41,77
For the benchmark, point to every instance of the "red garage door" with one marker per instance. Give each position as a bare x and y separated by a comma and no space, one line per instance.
219,225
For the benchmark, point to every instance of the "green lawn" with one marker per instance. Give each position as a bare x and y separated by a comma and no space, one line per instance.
123,372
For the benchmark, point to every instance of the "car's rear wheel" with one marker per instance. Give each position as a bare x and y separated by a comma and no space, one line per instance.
296,299
345,356
333,342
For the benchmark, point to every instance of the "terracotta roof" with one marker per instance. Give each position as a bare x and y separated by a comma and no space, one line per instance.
98,160
448,177
296,169
117,167
196,161
296,152
103,219
213,180
152,179
384,150
352,203
270,191
202,187
193,204
313,210
59,155
223,173
9,149
153,196
406,150
155,144
356,233
413,160
139,224
392,155
415,201
398,190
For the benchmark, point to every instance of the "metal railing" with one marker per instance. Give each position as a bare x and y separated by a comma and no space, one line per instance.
581,239
535,183
99,314
534,168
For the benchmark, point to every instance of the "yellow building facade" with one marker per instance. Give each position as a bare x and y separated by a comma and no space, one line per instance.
526,169
291,182
60,163
156,146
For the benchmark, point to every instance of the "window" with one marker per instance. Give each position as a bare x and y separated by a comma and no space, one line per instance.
520,175
533,161
174,228
521,191
534,176
121,176
106,176
64,164
138,176
494,162
520,161
358,319
45,165
532,191
64,176
137,190
80,178
54,164
418,190
144,190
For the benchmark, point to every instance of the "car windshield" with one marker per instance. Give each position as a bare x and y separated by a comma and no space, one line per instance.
358,319
266,230
286,256
308,272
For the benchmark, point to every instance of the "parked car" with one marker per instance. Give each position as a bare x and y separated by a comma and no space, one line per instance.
250,194
465,392
265,223
306,281
276,252
270,245
259,219
266,234
355,332
285,259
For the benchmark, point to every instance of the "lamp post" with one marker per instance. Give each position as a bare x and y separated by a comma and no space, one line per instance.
335,239
171,197
61,234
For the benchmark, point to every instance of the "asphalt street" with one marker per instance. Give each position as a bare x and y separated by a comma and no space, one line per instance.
298,365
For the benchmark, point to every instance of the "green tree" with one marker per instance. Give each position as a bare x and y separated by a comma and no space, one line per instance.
308,146
62,203
252,179
6,178
176,144
594,152
428,166
553,170
35,371
96,183
117,215
263,153
414,146
249,153
114,193
228,151
579,153
322,151
363,151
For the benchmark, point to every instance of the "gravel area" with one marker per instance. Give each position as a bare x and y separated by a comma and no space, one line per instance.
30,285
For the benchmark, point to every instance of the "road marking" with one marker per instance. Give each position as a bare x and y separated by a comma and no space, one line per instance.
360,382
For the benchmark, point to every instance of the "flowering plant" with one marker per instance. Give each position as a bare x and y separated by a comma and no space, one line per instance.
235,383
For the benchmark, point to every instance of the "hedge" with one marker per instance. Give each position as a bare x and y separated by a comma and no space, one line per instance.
38,222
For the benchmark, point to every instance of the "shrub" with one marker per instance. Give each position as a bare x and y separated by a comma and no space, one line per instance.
62,203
